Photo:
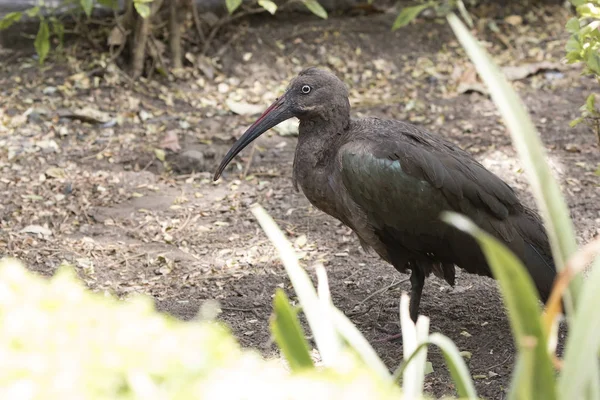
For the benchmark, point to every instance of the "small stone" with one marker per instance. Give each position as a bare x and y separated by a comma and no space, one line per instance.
514,20
223,87
190,161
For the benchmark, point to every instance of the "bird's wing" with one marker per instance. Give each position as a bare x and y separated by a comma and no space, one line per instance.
403,180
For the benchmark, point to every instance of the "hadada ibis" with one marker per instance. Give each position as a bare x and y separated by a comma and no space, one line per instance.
389,181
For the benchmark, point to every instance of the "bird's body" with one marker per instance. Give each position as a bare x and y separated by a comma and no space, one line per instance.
389,181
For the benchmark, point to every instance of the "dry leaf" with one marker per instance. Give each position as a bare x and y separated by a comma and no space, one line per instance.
55,172
242,108
170,142
514,73
37,229
514,20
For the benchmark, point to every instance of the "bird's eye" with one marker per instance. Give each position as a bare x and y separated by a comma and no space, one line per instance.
305,89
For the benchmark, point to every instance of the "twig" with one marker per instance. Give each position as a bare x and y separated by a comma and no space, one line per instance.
161,61
225,21
357,313
125,33
252,309
100,152
197,21
187,221
499,364
232,39
249,163
382,290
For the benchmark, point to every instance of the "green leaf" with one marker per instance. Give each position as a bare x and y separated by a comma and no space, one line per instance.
531,151
590,103
573,44
359,344
518,293
10,19
454,359
573,57
576,122
268,5
572,25
232,5
88,6
42,41
33,12
577,3
588,10
581,350
464,13
288,333
315,8
142,9
58,29
456,365
114,4
160,154
413,335
593,61
407,15
323,329
428,367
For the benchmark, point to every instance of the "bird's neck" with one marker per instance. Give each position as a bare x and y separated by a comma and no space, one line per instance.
318,144
319,137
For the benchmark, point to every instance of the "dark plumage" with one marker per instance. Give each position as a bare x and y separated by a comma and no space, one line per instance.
389,181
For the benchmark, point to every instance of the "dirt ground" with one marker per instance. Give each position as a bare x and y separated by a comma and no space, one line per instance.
89,188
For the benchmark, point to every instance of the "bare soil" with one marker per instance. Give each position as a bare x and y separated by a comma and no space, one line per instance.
131,223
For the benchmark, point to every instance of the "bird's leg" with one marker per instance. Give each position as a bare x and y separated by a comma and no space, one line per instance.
417,281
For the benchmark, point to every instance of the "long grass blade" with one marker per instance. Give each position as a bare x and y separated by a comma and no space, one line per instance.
456,365
580,363
359,344
531,152
326,337
518,293
288,333
412,336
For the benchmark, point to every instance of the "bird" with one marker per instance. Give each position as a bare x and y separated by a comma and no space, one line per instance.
389,181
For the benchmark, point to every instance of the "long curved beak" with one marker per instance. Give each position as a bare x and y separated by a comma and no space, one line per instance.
277,112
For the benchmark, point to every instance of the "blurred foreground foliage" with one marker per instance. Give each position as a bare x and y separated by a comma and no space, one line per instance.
60,341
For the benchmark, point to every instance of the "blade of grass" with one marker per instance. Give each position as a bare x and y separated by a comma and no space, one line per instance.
326,337
581,351
518,293
523,386
288,333
576,263
412,336
456,365
359,344
531,152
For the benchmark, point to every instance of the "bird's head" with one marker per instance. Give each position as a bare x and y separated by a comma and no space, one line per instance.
313,94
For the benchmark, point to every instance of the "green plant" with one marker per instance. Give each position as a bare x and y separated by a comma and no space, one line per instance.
337,338
61,341
138,26
271,7
440,7
50,25
583,46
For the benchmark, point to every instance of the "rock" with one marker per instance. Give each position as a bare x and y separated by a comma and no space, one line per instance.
189,161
